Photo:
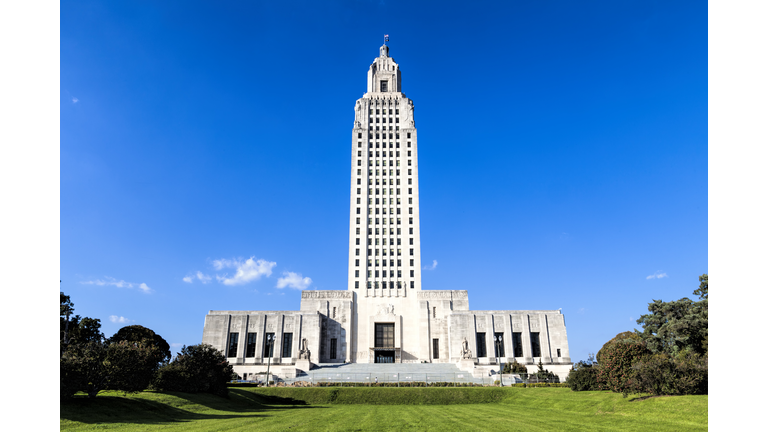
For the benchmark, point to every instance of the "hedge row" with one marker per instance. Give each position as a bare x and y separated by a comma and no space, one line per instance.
379,396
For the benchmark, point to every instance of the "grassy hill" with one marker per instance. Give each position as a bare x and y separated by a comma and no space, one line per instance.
363,409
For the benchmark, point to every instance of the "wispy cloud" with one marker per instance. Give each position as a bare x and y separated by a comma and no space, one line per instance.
657,275
119,319
293,280
75,100
199,276
110,281
245,271
432,267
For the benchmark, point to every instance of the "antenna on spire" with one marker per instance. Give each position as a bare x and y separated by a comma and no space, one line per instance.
386,38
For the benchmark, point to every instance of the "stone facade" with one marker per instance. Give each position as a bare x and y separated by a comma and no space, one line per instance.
384,315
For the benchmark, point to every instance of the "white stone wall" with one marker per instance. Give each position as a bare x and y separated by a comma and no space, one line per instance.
220,324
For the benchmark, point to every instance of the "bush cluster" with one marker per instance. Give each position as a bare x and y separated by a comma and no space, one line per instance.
382,396
583,376
197,369
661,374
514,368
669,357
131,360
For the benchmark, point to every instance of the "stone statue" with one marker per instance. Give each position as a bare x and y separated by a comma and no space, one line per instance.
358,115
304,353
409,114
466,353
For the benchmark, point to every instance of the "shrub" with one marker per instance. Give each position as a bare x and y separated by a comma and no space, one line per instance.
544,374
197,369
514,367
662,374
583,376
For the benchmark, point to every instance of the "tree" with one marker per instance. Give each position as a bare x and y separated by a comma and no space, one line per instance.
81,368
84,330
615,372
544,374
621,337
137,333
131,366
703,291
74,329
676,325
197,369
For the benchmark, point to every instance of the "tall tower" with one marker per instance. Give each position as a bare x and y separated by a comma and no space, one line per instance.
384,246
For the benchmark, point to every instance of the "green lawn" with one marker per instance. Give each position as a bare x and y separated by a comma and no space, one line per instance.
532,409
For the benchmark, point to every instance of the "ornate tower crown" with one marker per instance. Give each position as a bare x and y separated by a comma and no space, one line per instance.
384,73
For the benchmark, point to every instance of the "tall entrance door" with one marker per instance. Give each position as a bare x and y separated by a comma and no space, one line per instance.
384,337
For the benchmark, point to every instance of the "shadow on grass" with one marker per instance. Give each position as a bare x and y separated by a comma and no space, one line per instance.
159,407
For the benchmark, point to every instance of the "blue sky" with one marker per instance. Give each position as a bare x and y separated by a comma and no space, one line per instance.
562,154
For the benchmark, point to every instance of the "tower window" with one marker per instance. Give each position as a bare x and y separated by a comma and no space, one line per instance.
383,86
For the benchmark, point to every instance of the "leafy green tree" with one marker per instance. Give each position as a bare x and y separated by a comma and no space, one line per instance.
703,290
82,368
84,330
74,329
626,336
197,369
131,366
615,372
137,333
676,325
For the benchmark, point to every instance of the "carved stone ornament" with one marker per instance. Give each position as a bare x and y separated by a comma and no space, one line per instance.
387,310
311,294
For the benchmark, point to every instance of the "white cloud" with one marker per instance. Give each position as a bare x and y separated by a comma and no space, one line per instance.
432,267
110,281
246,271
75,100
119,319
293,280
199,276
657,275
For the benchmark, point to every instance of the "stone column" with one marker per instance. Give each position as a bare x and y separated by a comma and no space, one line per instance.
526,336
546,349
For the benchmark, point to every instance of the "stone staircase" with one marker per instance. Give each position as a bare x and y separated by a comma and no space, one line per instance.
356,373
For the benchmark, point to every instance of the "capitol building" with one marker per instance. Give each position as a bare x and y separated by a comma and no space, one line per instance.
385,315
